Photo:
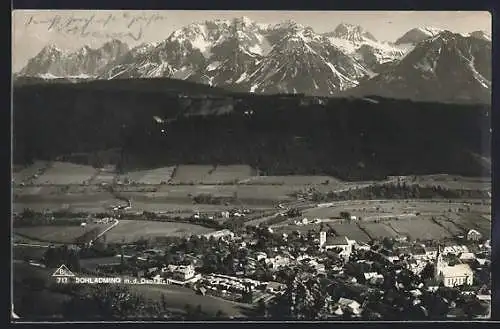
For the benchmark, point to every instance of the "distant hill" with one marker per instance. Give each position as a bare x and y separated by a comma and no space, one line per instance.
365,138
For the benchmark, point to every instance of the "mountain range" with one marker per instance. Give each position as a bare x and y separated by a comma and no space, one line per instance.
423,64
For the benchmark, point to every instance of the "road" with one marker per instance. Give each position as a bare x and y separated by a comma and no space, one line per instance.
106,230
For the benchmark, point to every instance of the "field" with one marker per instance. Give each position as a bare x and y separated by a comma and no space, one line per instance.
133,230
32,253
263,194
187,174
139,206
351,230
63,173
418,228
150,177
291,180
453,182
56,233
470,221
379,230
450,226
103,177
26,174
229,174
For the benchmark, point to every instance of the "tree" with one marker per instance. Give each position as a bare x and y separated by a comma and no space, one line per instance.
345,215
108,302
262,308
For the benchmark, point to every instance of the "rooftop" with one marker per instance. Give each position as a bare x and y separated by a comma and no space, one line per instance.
459,269
337,241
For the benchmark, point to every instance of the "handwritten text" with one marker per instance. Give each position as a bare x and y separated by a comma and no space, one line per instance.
119,26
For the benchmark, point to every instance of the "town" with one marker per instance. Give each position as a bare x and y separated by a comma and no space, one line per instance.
318,274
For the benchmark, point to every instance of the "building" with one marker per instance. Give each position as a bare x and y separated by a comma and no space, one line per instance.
181,273
431,252
474,235
339,242
452,276
261,255
219,234
322,238
278,261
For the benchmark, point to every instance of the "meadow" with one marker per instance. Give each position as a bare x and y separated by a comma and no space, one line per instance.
56,233
133,230
65,173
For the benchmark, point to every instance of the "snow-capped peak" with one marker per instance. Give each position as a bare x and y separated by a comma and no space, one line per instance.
351,32
481,35
50,49
289,25
417,35
431,31
243,21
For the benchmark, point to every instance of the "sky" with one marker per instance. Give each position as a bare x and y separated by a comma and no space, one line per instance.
71,29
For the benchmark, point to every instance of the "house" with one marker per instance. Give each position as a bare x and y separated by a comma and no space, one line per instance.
278,261
467,256
369,275
351,304
363,246
454,249
340,242
393,259
474,235
431,252
219,234
418,253
181,272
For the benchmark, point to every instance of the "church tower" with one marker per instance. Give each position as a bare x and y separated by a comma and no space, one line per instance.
439,265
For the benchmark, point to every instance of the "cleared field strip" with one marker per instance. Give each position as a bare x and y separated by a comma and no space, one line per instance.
26,174
419,229
66,198
450,226
379,230
155,176
352,231
133,230
229,174
61,173
240,192
187,174
290,180
56,233
453,182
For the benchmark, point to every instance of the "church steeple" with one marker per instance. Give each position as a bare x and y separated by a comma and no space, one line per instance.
439,264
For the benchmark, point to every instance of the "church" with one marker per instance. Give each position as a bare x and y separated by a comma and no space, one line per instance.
452,276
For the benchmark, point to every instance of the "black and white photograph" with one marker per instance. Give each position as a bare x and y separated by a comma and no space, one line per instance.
200,165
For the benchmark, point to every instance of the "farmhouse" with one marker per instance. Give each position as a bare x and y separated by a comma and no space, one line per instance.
474,235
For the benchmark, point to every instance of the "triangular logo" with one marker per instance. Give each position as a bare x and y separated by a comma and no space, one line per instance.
63,271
